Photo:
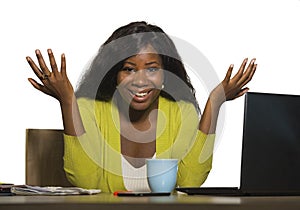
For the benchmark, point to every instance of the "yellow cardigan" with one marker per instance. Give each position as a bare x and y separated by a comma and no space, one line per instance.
93,160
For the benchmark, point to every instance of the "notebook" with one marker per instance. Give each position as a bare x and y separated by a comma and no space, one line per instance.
270,162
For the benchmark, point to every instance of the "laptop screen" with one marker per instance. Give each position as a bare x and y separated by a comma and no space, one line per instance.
271,144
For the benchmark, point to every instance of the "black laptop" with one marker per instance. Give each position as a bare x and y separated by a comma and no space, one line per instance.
270,162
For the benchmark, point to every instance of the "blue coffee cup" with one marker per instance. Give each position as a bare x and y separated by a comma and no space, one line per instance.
162,174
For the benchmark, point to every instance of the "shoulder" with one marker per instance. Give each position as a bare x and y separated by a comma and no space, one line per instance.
92,104
180,106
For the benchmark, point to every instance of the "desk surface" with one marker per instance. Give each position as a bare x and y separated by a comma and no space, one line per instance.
174,202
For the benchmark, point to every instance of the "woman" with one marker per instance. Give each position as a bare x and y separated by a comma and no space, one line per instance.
135,102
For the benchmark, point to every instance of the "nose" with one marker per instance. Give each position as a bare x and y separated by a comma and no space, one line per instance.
140,78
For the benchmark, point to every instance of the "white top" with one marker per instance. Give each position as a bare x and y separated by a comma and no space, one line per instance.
135,179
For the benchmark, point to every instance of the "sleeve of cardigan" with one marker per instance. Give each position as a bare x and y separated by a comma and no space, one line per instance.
81,156
194,168
80,170
196,163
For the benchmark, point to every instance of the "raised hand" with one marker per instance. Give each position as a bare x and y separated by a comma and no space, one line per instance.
54,82
232,88
228,89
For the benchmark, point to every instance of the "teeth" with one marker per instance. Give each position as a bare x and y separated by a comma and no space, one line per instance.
141,94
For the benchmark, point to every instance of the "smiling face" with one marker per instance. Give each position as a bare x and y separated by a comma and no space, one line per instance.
141,78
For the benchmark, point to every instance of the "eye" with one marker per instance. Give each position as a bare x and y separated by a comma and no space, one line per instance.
128,69
152,69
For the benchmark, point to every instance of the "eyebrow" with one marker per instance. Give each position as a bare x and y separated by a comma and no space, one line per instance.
147,64
133,64
152,62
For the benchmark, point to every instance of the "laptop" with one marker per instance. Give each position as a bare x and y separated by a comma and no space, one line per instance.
270,163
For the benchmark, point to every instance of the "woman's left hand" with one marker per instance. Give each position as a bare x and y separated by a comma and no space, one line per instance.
232,88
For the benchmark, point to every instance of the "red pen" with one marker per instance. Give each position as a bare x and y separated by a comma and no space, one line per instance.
140,194
121,191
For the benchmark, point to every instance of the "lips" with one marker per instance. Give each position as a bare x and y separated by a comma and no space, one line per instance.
140,96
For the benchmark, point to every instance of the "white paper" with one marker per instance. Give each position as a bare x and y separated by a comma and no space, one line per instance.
36,190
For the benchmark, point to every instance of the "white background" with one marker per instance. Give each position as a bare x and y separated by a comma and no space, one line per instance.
224,31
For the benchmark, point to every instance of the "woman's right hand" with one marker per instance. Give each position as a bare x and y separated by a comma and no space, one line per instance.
54,82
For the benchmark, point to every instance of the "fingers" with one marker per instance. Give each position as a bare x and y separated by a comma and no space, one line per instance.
34,67
42,63
248,77
242,92
63,65
242,77
235,87
239,74
38,86
35,84
228,74
248,74
52,62
42,71
239,93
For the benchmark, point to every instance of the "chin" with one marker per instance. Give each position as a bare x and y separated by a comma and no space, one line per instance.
139,107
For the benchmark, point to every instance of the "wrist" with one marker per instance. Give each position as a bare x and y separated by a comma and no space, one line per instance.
215,101
68,101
